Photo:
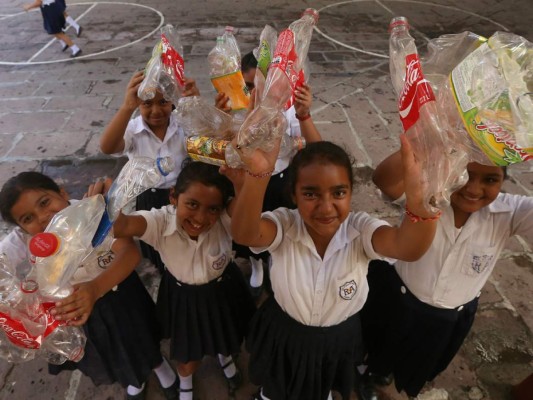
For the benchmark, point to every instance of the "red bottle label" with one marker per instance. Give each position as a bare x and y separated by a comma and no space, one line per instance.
285,59
416,92
172,60
17,333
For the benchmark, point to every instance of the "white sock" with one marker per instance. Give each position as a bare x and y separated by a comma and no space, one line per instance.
63,44
185,387
263,395
256,279
228,366
132,390
74,49
330,396
165,374
73,23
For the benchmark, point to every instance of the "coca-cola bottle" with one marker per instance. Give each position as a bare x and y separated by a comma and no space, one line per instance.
136,176
63,343
285,72
443,162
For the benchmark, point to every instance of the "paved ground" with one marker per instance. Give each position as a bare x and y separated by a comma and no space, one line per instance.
52,113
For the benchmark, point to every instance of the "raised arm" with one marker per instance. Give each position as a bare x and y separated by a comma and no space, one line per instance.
302,105
411,239
78,306
112,140
35,4
388,176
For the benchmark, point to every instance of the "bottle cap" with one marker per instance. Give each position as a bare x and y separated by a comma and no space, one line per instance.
312,12
229,28
44,244
29,286
165,165
398,21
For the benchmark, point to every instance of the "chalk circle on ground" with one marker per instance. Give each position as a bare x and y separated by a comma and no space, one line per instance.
85,56
381,3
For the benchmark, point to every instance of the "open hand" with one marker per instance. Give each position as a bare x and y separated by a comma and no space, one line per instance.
77,307
190,88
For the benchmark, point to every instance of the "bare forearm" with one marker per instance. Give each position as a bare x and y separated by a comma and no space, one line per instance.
388,176
309,131
112,140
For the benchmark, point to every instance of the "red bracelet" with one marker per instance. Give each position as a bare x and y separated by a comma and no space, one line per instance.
415,218
261,175
305,117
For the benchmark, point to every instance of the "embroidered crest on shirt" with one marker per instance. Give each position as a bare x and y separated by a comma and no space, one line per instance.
106,259
480,263
220,263
347,291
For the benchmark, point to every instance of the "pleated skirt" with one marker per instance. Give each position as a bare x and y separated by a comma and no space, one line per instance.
152,198
207,319
53,18
292,361
123,337
407,337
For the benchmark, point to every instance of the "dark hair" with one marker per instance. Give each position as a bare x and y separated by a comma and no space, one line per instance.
15,186
206,174
320,153
248,61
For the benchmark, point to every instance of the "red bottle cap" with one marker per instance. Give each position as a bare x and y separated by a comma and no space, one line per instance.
44,244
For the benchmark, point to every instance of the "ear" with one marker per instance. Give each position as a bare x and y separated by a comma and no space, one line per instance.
173,197
63,193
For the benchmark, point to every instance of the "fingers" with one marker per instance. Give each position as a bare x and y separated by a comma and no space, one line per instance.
100,186
190,88
222,102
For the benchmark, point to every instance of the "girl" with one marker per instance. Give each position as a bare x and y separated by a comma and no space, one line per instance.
54,22
203,302
122,338
427,307
154,133
304,340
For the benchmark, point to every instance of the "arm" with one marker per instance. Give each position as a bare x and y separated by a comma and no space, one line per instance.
236,176
222,102
35,4
388,176
247,226
112,140
190,88
302,105
129,226
410,240
78,306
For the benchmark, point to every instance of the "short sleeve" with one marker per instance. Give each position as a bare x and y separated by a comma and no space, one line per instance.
522,223
278,217
367,225
155,226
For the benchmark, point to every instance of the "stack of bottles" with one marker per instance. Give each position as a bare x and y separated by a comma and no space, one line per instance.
472,104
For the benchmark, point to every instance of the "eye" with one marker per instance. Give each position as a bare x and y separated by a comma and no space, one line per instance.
340,194
215,210
146,103
45,201
309,195
163,102
192,205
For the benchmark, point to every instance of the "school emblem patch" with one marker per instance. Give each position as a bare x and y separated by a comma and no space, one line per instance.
480,263
220,263
106,259
347,291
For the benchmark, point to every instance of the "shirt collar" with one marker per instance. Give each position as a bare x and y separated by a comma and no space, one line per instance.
141,126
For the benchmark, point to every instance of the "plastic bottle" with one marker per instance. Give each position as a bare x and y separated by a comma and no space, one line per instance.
64,244
264,124
225,72
12,353
63,343
443,162
231,42
136,176
221,152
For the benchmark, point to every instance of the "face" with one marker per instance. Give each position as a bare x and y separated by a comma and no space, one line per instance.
198,208
249,77
484,184
35,208
322,194
156,112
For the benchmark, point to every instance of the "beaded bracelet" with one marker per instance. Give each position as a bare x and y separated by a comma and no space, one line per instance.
261,175
305,117
415,218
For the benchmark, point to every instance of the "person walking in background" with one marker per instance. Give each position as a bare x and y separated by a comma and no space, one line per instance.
71,21
52,12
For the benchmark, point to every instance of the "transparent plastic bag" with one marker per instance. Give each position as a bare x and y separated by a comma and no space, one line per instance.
197,117
266,122
164,72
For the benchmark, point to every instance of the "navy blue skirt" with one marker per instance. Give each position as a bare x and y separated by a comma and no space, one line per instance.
53,18
407,337
207,319
152,198
292,361
123,339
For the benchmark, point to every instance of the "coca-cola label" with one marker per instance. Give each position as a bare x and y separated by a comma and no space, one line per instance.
285,59
17,333
416,92
172,60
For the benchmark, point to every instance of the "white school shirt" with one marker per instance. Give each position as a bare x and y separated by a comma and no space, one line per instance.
455,268
293,129
316,291
194,262
139,140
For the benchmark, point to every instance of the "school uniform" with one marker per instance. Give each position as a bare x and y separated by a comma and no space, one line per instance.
303,341
53,18
203,303
139,140
122,331
419,313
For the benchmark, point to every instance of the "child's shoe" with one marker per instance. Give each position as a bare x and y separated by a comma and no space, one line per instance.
75,52
172,392
78,31
234,383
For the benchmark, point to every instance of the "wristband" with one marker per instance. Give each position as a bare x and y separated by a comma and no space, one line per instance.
415,218
305,117
261,175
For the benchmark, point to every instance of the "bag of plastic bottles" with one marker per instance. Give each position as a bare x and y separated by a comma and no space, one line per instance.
136,176
225,70
64,244
266,122
164,72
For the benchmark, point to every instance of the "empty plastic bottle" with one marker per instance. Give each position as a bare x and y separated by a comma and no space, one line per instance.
63,343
